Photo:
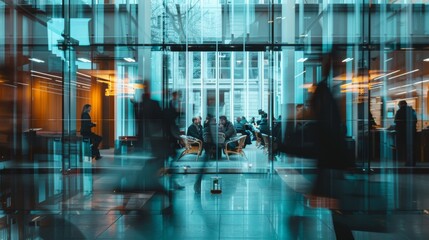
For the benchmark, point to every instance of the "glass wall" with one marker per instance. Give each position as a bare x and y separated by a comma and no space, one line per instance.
225,57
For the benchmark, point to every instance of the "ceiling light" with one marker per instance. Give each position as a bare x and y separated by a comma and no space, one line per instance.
33,75
389,59
426,80
299,74
385,75
415,70
82,74
42,73
347,60
426,60
84,60
402,86
302,59
129,59
406,92
36,60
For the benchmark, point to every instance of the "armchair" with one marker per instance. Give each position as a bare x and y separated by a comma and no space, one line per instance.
241,140
192,146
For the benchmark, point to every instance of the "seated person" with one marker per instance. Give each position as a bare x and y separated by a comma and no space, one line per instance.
239,127
195,129
228,129
244,120
263,126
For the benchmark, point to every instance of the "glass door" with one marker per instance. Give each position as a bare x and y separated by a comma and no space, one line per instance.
224,90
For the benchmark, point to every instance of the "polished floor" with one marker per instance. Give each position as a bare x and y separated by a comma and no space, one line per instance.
105,200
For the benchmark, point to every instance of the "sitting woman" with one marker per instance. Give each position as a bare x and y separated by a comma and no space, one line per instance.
85,131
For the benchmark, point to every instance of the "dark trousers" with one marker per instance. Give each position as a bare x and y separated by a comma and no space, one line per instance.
95,142
405,148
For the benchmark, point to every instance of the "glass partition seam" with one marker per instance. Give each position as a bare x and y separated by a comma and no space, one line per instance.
232,91
246,79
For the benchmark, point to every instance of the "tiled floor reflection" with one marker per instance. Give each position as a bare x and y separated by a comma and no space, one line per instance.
251,206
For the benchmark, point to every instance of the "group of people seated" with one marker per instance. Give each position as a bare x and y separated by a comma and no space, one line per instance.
214,135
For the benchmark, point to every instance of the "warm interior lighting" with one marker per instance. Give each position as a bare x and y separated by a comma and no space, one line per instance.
354,86
307,85
36,60
103,81
302,59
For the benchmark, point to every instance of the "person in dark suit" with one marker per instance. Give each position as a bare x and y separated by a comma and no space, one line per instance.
85,131
405,126
228,129
195,129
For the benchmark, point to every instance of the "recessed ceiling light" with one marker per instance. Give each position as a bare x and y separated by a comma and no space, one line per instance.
385,75
415,70
36,60
299,74
129,59
84,60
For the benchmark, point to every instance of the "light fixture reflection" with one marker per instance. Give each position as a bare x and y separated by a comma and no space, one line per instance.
385,75
400,75
129,59
84,60
36,60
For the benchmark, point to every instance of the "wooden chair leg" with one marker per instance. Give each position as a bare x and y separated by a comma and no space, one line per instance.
181,155
244,155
